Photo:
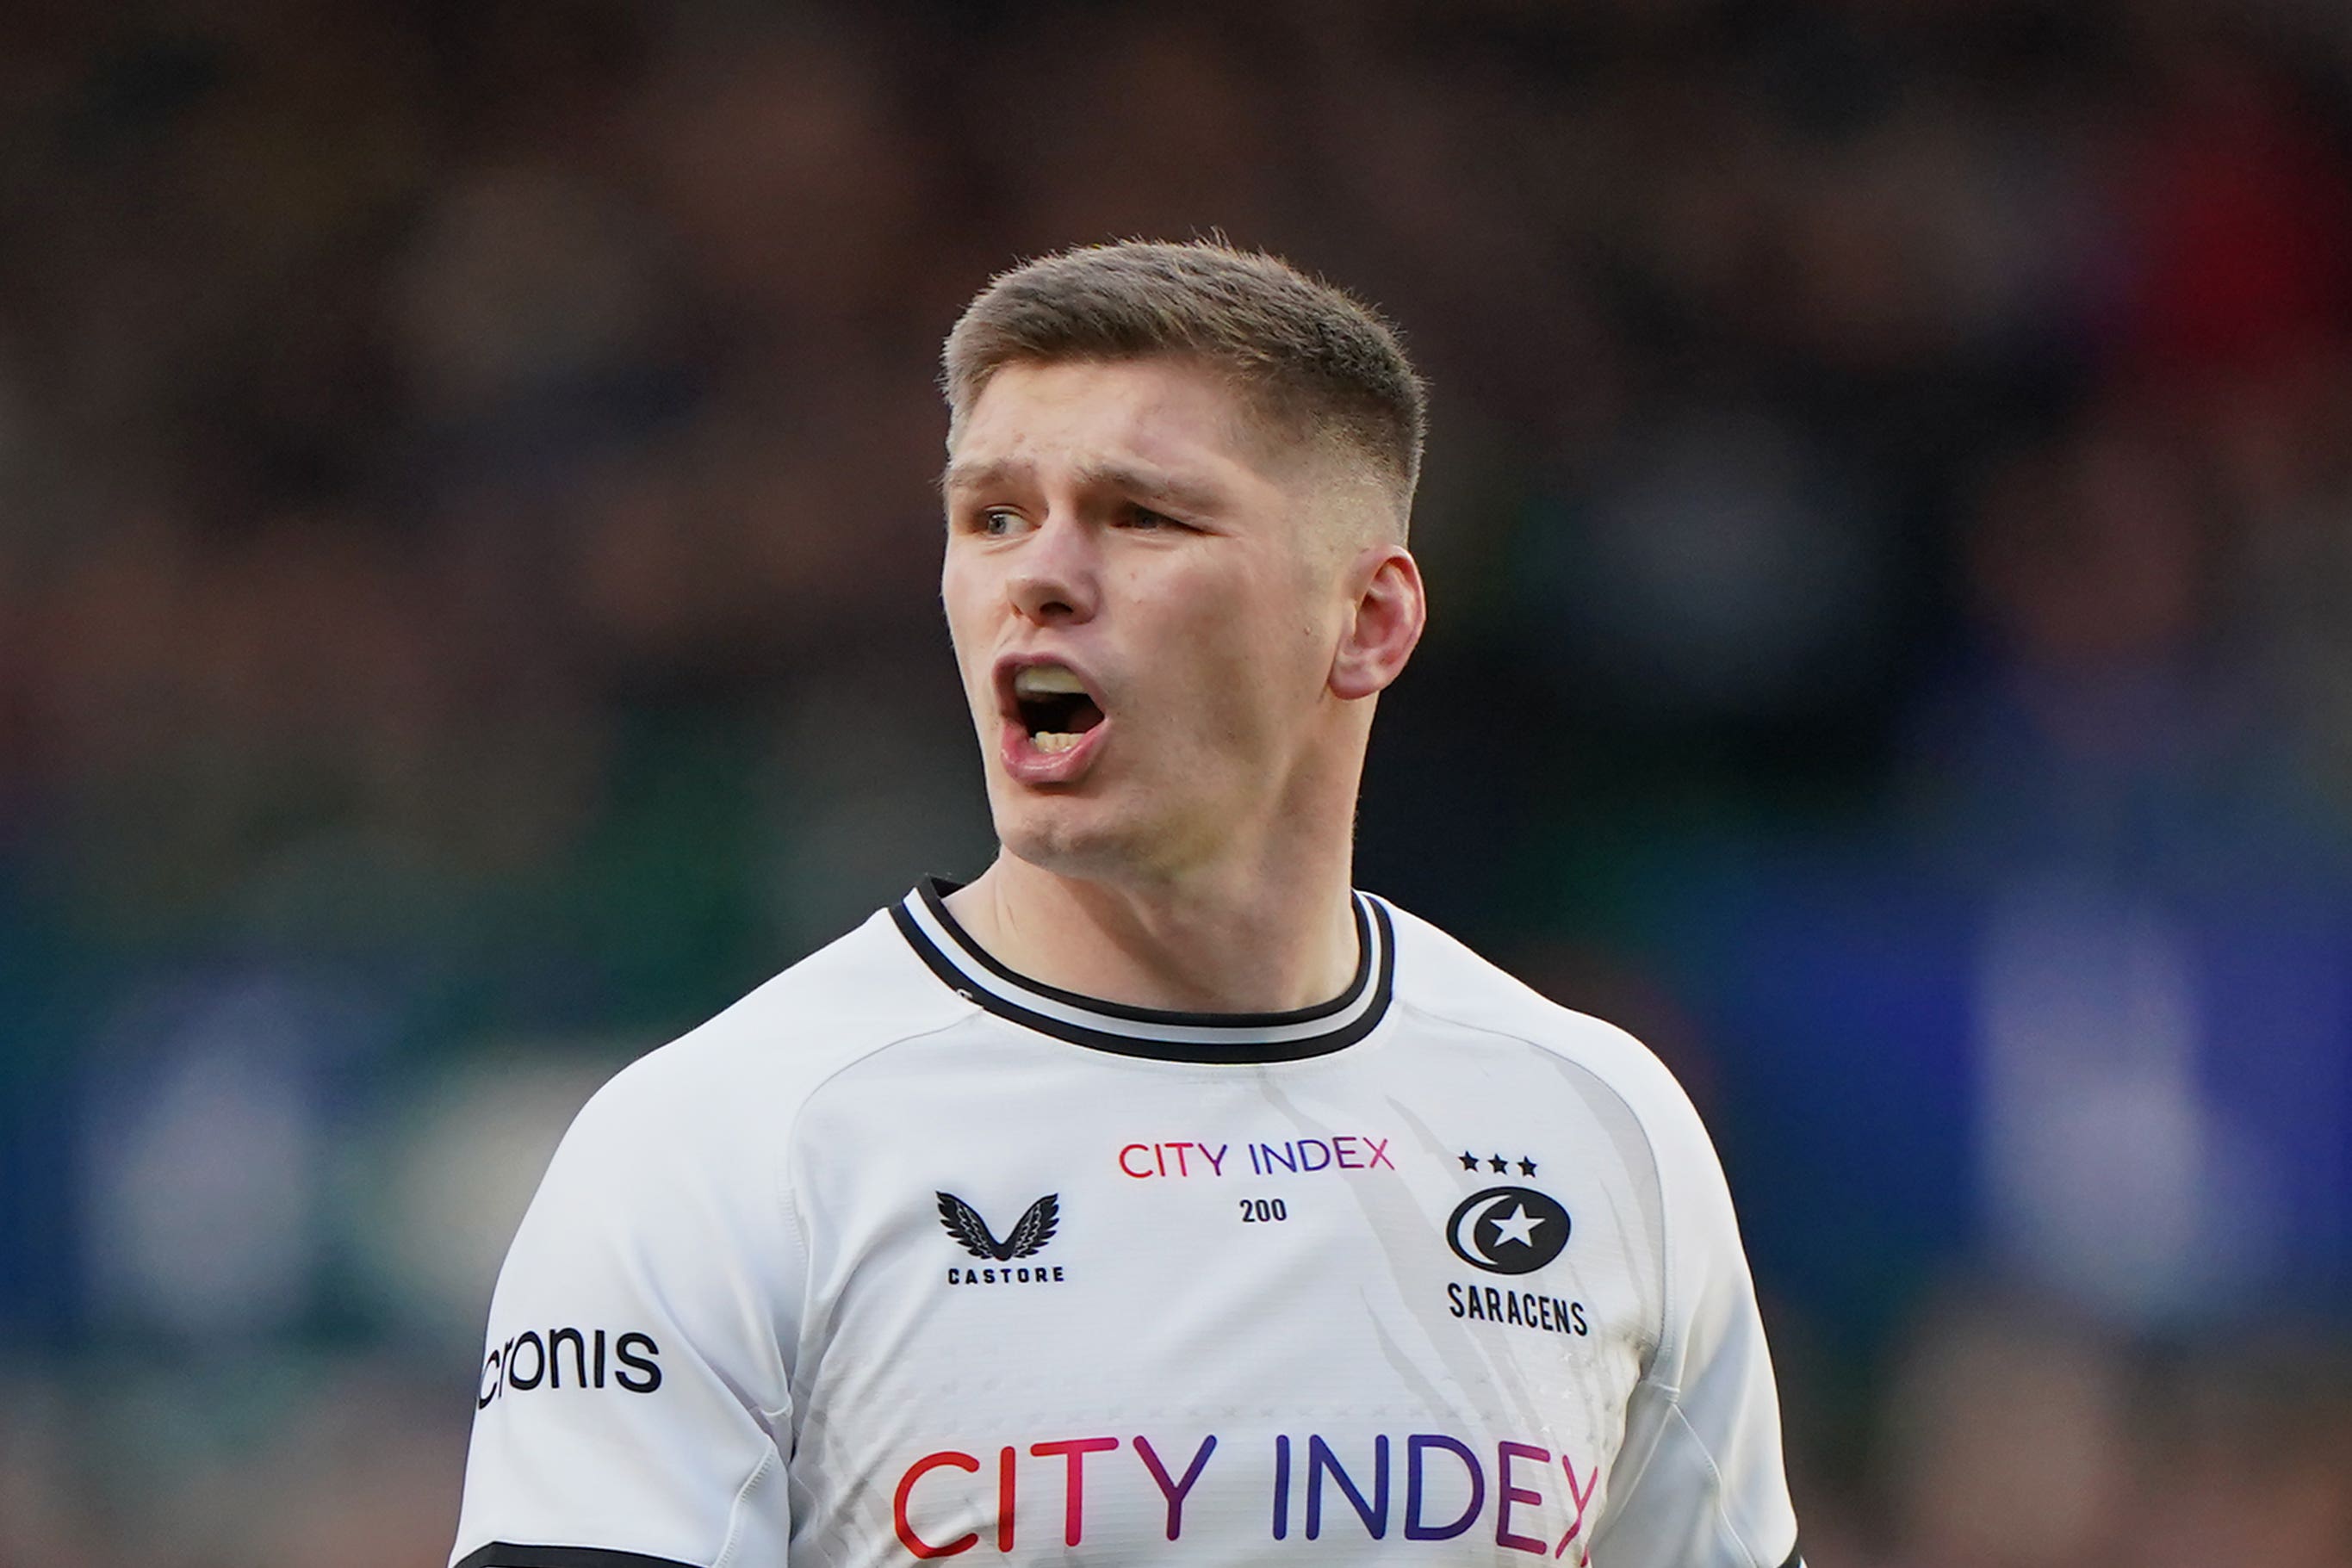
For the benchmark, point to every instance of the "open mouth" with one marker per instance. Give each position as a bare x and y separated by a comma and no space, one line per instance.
1051,705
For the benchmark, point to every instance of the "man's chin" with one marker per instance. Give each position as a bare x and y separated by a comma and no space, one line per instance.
1067,848
1076,839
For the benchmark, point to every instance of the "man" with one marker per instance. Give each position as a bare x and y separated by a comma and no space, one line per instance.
1154,1198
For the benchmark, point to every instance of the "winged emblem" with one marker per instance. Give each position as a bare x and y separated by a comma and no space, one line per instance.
1030,1232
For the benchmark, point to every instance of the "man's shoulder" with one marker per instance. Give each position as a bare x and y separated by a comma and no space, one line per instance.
1439,977
761,1056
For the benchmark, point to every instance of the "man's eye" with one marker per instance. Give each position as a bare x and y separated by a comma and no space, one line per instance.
997,521
1145,517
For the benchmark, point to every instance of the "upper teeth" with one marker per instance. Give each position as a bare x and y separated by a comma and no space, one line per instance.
1046,680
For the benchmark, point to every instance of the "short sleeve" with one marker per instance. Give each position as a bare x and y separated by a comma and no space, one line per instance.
1707,1486
632,1385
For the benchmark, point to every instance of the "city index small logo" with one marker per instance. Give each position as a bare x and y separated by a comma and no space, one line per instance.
1182,1158
1028,1236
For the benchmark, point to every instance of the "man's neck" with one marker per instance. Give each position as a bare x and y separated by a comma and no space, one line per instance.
1248,946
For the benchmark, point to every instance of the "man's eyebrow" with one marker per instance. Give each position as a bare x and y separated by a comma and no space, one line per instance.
980,475
1149,484
1153,484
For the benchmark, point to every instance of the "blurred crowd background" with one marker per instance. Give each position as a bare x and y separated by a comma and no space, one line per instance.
468,612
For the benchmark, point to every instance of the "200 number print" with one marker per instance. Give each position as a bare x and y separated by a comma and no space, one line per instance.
1264,1210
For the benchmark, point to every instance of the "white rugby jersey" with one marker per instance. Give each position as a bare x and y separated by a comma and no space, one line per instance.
906,1255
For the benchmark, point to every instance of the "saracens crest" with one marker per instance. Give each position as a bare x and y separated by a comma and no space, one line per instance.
1507,1229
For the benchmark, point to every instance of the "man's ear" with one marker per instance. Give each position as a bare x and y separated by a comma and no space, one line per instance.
1384,622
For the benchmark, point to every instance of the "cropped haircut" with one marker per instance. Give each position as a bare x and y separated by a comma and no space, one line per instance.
1319,363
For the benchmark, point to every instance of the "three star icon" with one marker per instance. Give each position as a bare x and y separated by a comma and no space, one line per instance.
1471,1162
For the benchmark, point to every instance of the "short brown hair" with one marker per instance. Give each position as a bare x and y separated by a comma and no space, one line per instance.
1299,349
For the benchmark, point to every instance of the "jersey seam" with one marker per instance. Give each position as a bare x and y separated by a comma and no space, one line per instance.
1628,1485
733,1538
784,1194
1668,1340
1722,1515
792,1129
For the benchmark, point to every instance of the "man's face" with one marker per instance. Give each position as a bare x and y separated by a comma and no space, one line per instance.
1144,602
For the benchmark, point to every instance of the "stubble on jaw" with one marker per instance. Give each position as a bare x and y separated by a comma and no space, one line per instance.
1086,840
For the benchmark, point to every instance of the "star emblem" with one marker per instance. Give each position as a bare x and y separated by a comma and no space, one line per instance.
1500,1163
1518,1226
1526,1166
1469,1161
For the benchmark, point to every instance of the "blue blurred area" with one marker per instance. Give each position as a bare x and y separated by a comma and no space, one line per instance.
468,612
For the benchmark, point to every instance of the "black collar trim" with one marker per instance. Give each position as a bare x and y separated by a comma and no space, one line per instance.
949,951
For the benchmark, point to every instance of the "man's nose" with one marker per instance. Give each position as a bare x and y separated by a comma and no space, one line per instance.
1053,575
